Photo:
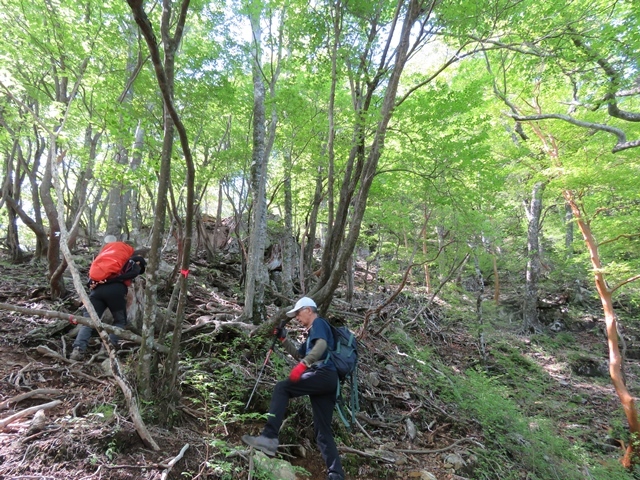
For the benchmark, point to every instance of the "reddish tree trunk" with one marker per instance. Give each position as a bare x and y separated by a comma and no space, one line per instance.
631,455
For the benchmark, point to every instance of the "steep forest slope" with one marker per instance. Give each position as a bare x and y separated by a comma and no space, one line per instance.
444,393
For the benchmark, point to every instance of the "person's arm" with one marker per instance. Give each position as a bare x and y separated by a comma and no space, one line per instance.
290,348
316,353
133,272
312,356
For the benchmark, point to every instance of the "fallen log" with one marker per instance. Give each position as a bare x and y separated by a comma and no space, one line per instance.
28,411
126,334
38,393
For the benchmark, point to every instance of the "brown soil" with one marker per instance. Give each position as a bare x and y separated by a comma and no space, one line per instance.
89,435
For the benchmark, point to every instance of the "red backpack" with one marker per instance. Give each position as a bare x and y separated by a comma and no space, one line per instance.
110,261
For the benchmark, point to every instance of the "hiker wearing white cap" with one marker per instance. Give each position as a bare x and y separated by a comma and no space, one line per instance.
315,376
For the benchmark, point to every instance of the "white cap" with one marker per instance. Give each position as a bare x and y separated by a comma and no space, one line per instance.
110,239
303,302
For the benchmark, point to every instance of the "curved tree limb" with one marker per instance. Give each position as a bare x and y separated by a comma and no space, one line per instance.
622,143
614,79
166,87
624,282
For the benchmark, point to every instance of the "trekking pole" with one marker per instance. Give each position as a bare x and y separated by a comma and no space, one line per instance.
266,360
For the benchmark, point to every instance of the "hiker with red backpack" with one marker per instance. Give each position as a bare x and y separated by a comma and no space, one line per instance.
110,275
316,376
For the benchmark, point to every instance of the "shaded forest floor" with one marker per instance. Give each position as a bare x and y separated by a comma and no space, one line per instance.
405,428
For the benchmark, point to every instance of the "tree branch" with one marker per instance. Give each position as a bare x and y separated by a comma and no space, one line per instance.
622,144
628,236
82,321
624,282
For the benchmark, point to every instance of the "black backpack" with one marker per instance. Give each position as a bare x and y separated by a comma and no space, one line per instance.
345,354
345,357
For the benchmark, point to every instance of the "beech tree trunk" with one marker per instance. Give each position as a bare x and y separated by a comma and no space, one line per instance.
530,321
568,233
288,247
56,282
257,275
11,188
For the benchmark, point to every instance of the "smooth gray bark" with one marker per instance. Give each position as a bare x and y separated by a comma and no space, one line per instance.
533,209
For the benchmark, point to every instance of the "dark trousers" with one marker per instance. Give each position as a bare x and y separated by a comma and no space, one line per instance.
109,295
320,385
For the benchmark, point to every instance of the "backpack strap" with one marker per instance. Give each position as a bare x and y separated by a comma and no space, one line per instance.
355,400
340,406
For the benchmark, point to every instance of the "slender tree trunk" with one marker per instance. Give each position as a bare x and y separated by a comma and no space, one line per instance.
288,248
479,313
339,248
165,77
56,281
257,275
350,280
11,188
568,233
131,197
336,12
146,362
147,359
79,198
441,234
115,216
632,453
530,321
425,251
310,237
496,281
263,140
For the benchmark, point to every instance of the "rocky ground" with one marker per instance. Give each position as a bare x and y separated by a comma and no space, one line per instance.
67,420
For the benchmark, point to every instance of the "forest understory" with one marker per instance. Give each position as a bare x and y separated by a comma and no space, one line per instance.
412,421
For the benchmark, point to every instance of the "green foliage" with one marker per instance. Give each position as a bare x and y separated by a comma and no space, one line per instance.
218,462
219,386
561,340
104,411
530,444
112,450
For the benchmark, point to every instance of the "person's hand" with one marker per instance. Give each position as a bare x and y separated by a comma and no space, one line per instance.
297,372
280,333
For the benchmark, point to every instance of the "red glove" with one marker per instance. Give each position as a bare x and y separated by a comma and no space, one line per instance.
297,372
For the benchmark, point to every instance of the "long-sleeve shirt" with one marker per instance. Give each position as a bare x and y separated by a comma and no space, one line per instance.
314,351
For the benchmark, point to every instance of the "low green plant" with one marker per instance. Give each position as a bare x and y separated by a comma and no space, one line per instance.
561,340
103,411
517,444
112,450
